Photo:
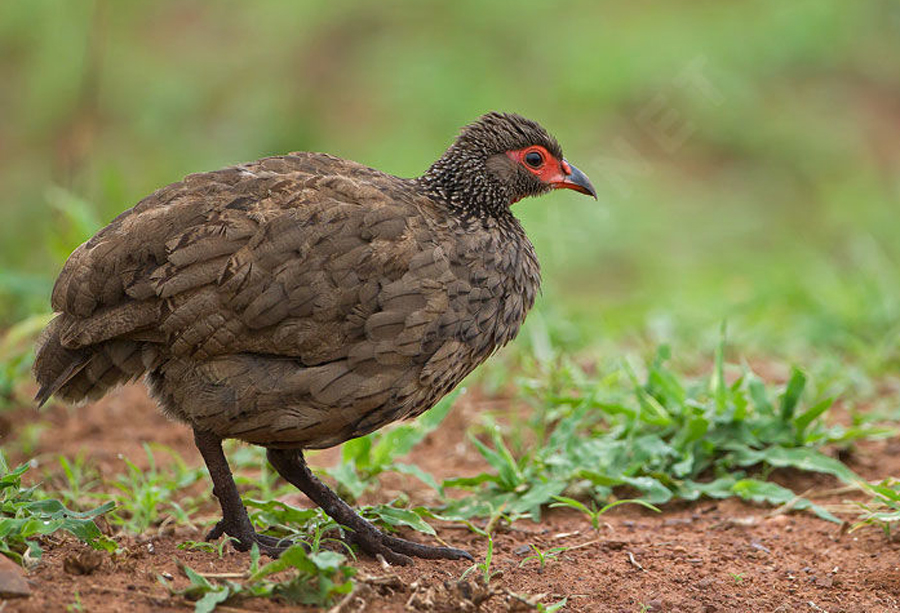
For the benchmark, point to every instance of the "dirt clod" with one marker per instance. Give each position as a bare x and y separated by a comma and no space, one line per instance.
83,562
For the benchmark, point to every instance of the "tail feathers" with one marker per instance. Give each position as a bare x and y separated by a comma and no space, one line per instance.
54,365
89,372
48,389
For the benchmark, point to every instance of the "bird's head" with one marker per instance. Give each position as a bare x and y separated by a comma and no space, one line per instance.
498,160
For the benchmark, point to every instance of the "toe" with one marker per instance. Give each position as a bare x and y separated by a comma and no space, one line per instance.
217,531
425,551
393,557
272,541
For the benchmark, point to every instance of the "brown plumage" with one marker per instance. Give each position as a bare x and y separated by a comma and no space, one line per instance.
302,300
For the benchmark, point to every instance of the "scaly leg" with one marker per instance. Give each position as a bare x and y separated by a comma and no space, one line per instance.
290,464
235,521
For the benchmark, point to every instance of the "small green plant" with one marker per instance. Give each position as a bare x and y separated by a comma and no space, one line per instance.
309,526
315,578
392,516
542,557
532,602
882,509
75,607
593,513
485,567
24,517
81,479
143,495
217,548
552,608
737,577
291,523
519,487
283,518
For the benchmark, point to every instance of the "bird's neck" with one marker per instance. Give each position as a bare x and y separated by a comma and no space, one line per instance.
465,185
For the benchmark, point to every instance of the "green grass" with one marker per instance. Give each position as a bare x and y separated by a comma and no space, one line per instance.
542,557
882,510
663,436
484,567
592,513
139,497
315,578
145,496
26,516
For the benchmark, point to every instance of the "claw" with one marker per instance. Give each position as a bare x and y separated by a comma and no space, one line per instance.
217,531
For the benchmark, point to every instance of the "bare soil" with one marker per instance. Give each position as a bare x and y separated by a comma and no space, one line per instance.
702,557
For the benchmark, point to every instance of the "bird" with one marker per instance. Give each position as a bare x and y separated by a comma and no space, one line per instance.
302,300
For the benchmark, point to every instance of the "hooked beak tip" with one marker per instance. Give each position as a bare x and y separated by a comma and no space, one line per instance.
576,180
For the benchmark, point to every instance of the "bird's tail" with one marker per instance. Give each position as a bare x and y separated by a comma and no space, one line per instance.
86,373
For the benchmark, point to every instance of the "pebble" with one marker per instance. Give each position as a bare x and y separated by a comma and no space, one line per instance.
12,581
705,582
521,550
826,581
759,546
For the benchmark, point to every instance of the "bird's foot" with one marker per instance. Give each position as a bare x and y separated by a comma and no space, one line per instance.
400,551
291,465
246,537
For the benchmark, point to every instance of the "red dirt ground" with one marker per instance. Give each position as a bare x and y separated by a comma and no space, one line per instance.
705,557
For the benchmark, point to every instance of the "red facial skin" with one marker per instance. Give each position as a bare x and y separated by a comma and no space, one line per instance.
551,171
556,173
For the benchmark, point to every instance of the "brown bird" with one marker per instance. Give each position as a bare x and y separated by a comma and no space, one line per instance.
303,300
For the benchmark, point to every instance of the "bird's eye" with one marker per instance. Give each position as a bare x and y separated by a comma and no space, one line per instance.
534,159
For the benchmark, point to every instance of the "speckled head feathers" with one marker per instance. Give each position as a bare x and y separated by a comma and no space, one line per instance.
497,132
475,178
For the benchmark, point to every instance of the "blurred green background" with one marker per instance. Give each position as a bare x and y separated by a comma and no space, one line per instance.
747,154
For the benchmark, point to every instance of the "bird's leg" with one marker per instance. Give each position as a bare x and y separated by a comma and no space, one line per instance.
290,464
235,522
